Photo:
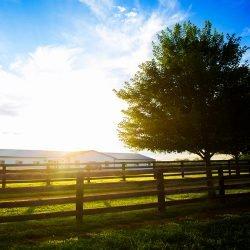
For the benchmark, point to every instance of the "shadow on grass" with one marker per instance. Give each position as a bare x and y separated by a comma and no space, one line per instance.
208,225
30,210
228,232
107,203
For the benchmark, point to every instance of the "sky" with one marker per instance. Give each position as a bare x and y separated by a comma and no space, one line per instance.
61,59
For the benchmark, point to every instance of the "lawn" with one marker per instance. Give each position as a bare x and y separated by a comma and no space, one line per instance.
210,225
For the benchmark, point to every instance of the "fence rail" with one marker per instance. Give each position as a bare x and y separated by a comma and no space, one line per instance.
160,185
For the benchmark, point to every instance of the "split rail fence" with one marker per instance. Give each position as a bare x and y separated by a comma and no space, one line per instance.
157,179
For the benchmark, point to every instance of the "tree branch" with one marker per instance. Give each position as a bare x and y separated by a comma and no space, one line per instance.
211,155
199,153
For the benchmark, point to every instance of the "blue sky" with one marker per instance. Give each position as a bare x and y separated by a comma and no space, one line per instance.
27,24
60,60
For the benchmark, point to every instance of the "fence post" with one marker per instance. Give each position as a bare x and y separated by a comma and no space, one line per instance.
154,169
88,175
3,176
106,164
221,182
79,198
237,166
123,172
48,174
229,167
160,189
182,169
209,177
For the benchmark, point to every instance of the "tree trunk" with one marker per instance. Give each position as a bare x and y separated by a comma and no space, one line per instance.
210,185
237,166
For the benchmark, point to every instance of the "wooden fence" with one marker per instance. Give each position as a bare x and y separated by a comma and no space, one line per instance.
157,179
28,173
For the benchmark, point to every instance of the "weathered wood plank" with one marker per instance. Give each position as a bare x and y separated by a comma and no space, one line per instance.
186,190
42,216
236,186
39,202
160,189
79,198
36,189
17,218
221,182
242,176
120,208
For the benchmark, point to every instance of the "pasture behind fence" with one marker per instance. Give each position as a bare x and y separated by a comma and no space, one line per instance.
161,174
10,173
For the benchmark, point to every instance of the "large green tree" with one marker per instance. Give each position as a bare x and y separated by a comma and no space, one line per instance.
236,112
174,100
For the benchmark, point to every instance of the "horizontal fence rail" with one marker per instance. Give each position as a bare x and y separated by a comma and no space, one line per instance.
125,180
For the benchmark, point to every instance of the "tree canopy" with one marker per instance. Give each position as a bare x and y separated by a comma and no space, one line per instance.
181,99
236,112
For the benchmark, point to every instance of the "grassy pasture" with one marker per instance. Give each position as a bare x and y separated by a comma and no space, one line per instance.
131,184
194,226
208,225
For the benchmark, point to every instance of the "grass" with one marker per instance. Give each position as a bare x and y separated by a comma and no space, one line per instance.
210,225
99,180
226,233
201,226
88,188
94,204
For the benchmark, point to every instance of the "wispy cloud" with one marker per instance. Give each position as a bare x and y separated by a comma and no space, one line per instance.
121,8
170,4
246,32
123,39
101,8
8,109
66,89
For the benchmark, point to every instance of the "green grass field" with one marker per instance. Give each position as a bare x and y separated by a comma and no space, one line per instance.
209,225
201,226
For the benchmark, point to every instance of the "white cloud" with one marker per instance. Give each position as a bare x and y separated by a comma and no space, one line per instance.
62,106
121,8
246,32
170,4
123,40
100,7
131,14
46,59
8,109
62,95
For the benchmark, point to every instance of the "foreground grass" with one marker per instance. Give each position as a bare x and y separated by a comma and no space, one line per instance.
210,225
229,232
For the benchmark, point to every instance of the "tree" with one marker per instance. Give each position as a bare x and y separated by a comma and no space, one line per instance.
236,112
245,156
174,100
